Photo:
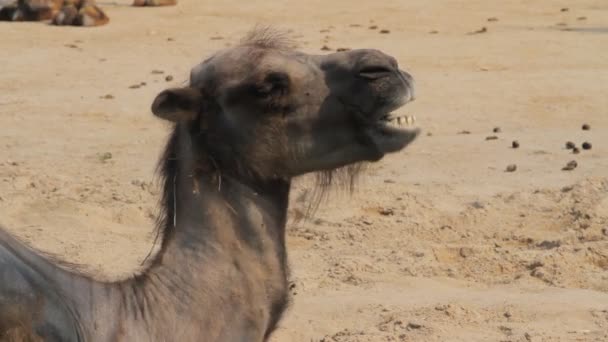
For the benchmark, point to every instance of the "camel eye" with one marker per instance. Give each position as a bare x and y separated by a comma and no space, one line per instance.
275,83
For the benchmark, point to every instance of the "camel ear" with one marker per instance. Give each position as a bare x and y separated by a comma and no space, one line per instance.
178,104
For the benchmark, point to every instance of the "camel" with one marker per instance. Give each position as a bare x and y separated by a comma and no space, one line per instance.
63,12
250,120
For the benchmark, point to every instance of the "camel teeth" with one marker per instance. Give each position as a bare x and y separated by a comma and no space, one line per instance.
404,120
411,120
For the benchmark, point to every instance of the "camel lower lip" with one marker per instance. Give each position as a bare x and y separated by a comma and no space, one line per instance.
389,139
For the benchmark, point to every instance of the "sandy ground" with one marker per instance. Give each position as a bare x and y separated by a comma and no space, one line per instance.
438,243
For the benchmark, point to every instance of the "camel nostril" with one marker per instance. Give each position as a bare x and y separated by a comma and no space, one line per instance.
375,72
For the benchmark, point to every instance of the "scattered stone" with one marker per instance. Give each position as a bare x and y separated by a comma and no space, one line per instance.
217,38
464,132
355,25
549,244
492,19
492,137
497,130
373,27
576,150
535,265
570,166
515,144
465,252
478,205
570,145
385,31
142,84
506,330
586,145
135,86
507,314
103,157
71,46
511,168
325,48
412,326
433,32
528,337
386,212
157,72
342,49
481,30
565,9
581,18
107,97
605,231
429,134
169,78
586,127
170,39
442,307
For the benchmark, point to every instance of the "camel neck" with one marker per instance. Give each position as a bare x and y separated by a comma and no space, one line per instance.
215,234
208,207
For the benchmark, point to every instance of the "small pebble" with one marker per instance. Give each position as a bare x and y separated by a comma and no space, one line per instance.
491,19
576,150
386,211
492,137
581,18
565,9
105,156
385,31
373,27
135,86
570,145
511,168
342,49
507,314
108,97
169,78
464,132
570,166
586,145
497,130
413,325
515,144
481,30
325,48
433,32
586,127
157,72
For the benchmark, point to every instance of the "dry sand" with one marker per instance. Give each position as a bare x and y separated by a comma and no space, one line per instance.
439,243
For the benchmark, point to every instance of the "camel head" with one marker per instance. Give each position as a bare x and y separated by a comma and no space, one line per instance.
283,113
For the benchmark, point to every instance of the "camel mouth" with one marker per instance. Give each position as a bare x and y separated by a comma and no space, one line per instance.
391,132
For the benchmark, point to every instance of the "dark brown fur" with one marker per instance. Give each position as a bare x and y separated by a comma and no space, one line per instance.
65,12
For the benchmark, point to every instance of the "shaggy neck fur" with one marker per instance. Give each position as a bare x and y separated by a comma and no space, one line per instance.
224,245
